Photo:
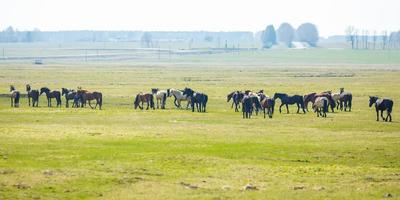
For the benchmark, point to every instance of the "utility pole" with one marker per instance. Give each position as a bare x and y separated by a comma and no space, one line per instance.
4,57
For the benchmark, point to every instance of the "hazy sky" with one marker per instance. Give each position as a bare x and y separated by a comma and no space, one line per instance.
331,16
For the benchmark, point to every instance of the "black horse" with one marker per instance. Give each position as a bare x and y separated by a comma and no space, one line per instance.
290,100
197,98
247,106
50,95
70,95
236,97
34,95
381,105
345,100
256,105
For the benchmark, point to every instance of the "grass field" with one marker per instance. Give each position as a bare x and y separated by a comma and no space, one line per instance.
122,153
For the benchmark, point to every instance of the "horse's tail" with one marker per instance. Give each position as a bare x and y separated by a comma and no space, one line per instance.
151,101
390,107
100,101
16,99
325,105
164,99
136,102
350,100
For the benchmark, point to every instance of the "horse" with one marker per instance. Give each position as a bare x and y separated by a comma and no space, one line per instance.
179,96
336,98
290,100
70,95
34,94
256,105
320,106
141,98
312,96
197,98
87,96
15,95
247,106
161,95
345,100
50,95
236,97
382,105
268,105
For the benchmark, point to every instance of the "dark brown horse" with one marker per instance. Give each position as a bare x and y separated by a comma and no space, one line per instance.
144,97
50,95
89,96
345,100
34,95
15,95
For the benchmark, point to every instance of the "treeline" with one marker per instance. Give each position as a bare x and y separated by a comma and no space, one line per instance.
286,34
365,39
11,35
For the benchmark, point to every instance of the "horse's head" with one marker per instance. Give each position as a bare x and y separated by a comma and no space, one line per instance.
64,91
154,90
137,100
44,90
372,100
169,92
12,88
229,96
277,95
28,87
247,92
341,90
188,92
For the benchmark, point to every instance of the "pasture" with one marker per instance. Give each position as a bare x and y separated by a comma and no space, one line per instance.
122,153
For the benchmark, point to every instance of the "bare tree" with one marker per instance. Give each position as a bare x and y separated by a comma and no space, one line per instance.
350,36
374,38
366,36
384,39
356,37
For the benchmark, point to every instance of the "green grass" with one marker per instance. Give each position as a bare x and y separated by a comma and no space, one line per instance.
122,153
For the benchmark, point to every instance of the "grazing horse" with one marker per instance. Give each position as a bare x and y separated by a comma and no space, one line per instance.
290,100
268,105
197,99
179,96
381,105
247,106
87,96
161,95
70,95
15,95
320,106
312,96
50,95
141,98
345,99
34,95
236,97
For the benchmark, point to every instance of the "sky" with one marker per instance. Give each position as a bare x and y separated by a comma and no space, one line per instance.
331,16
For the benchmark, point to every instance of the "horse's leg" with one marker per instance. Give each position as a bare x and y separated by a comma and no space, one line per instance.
377,114
280,108
382,115
298,108
29,100
287,108
389,115
90,105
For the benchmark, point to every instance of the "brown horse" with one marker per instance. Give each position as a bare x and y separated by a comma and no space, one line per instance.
268,105
15,95
144,97
89,96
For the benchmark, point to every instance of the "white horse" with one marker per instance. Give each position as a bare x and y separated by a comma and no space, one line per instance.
336,98
178,94
320,106
161,96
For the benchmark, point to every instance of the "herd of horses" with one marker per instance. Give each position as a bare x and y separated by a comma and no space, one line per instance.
249,102
196,100
255,102
80,97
